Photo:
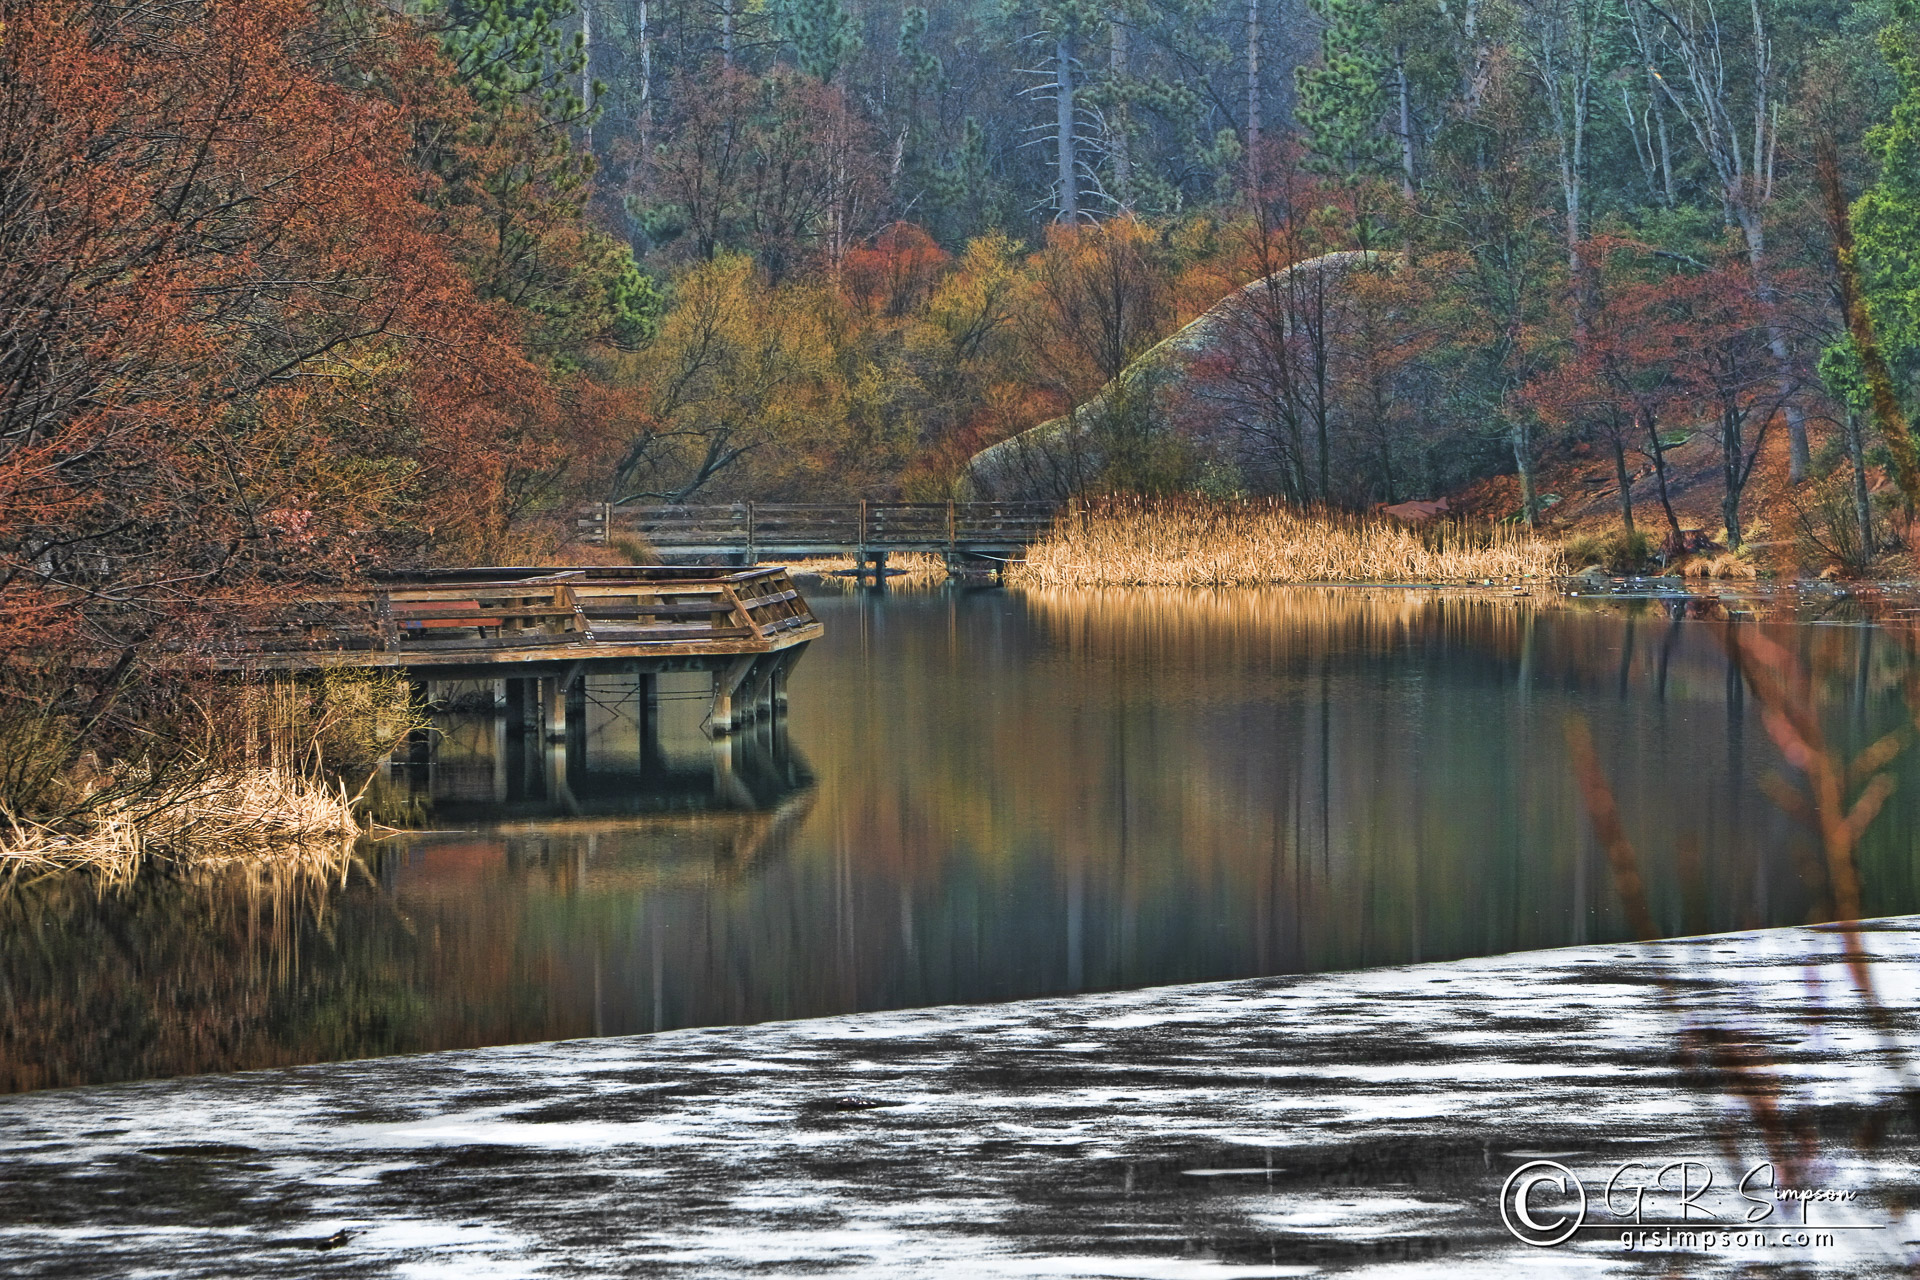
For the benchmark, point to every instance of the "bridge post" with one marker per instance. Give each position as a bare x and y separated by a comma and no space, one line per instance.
757,689
502,739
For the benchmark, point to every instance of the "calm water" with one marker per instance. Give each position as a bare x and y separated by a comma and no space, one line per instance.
984,796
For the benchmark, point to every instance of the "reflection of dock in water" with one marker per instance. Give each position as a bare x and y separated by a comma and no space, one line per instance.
597,855
631,746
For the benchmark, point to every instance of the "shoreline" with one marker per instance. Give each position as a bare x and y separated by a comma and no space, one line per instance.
1361,1120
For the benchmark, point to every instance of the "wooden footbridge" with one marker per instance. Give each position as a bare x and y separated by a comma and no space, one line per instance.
537,633
987,533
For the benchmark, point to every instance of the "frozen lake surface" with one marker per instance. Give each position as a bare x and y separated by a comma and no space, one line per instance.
1279,1126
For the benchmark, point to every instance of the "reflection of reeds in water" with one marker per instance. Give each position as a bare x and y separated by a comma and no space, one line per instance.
1204,542
1161,623
179,970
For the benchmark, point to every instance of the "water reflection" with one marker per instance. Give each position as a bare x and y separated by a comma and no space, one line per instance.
1007,795
631,747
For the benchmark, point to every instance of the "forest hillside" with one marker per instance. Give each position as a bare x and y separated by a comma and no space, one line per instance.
294,291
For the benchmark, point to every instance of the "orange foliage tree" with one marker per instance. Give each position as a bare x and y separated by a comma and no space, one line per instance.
237,354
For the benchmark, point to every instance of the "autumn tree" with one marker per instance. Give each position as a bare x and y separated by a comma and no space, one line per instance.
1727,356
1725,87
1273,380
238,357
1627,376
729,381
774,166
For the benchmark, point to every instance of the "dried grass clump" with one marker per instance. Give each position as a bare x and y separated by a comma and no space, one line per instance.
223,817
1723,567
242,769
1195,542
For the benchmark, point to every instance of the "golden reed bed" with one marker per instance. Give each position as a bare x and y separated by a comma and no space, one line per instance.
236,815
1199,542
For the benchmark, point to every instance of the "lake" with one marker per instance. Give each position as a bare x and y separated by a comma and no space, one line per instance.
984,795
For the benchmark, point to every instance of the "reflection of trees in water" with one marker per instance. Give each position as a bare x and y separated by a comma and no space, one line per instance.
451,942
213,968
1193,782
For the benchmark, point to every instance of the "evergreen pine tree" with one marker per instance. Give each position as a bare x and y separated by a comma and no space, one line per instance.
1886,217
1342,100
509,49
821,33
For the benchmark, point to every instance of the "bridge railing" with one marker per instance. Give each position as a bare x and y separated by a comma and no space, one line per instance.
755,528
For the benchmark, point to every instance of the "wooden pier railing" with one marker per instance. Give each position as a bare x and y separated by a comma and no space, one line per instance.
487,617
756,530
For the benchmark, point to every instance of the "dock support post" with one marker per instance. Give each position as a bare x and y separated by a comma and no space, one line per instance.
726,689
553,708
756,691
515,705
502,738
646,706
420,703
783,666
576,718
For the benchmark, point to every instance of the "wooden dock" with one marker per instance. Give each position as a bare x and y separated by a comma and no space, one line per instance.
537,633
989,533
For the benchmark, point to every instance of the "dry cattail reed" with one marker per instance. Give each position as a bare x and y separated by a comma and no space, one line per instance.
1189,541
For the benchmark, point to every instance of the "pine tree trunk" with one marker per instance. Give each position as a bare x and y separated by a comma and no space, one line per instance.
1069,176
1253,92
1666,143
586,68
1122,123
1406,124
1798,456
1732,451
646,82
